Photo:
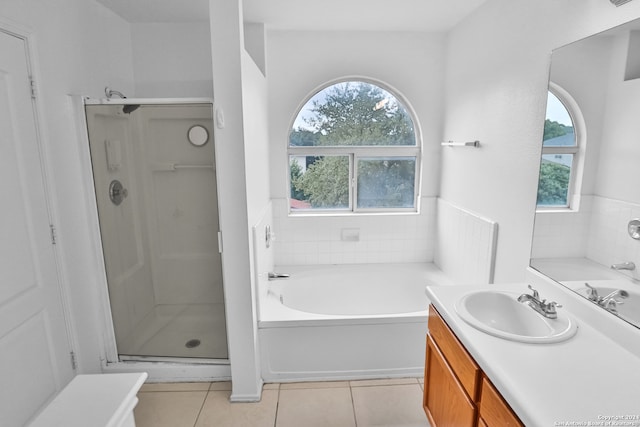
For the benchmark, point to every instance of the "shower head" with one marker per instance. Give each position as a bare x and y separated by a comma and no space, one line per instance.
110,93
129,108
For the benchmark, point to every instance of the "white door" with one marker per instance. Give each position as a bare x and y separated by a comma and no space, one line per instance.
34,345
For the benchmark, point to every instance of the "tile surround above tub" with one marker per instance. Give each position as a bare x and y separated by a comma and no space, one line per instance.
598,231
307,240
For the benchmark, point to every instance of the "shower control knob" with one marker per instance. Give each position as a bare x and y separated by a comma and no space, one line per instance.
117,192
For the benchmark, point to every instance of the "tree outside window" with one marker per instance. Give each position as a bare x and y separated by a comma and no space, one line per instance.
353,147
559,151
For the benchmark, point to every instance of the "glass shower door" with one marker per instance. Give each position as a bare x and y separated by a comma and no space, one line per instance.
154,173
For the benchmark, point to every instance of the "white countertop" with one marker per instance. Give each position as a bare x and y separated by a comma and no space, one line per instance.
588,379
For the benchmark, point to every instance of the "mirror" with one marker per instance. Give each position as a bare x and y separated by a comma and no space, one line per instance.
583,236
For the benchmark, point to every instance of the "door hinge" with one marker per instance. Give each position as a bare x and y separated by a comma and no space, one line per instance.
220,241
54,236
74,363
34,90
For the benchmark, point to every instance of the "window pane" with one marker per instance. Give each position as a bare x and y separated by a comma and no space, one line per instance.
353,114
319,182
386,182
555,171
558,126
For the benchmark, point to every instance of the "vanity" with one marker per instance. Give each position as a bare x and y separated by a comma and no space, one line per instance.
456,391
501,355
475,378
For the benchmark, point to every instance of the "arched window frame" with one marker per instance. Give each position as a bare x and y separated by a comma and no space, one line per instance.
578,150
356,153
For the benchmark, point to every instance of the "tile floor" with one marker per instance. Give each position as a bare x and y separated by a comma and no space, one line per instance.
393,402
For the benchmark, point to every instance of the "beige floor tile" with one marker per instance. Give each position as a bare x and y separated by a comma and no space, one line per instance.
169,409
221,386
325,407
389,381
318,384
392,405
271,386
219,412
176,387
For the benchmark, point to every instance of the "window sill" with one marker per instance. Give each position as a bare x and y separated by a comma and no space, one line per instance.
350,214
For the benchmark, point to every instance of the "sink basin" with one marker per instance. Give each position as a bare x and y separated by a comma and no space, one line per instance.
501,315
629,310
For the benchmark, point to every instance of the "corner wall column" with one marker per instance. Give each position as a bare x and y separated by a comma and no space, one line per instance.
227,44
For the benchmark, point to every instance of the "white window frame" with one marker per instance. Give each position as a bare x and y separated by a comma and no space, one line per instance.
356,152
578,150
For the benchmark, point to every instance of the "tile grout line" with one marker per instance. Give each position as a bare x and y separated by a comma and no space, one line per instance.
275,418
353,406
195,423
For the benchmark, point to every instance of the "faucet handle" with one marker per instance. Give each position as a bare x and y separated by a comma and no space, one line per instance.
536,295
592,293
550,309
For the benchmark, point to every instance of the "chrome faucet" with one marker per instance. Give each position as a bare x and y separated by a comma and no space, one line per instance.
543,307
592,294
624,266
610,303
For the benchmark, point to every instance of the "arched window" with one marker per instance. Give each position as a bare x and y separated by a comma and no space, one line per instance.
563,132
353,147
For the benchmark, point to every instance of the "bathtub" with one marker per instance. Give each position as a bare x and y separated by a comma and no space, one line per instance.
332,322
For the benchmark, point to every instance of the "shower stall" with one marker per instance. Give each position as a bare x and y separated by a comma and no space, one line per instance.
155,184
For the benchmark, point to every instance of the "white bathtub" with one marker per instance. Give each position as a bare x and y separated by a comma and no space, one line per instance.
345,321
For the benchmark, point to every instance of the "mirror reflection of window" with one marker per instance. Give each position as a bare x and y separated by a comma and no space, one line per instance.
559,152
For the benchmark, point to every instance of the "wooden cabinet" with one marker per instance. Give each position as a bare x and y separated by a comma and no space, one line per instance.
494,411
456,391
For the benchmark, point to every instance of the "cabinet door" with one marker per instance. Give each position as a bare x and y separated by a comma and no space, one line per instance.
445,401
494,410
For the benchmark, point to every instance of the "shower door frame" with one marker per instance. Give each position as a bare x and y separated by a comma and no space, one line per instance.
158,368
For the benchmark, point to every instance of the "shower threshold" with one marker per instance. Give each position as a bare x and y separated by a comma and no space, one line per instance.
180,360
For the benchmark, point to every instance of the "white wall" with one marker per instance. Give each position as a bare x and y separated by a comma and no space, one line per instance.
496,85
298,64
81,47
172,60
227,45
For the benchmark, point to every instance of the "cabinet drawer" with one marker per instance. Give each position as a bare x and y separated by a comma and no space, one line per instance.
464,367
494,410
445,401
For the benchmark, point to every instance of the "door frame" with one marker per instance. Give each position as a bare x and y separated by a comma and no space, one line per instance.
171,369
29,40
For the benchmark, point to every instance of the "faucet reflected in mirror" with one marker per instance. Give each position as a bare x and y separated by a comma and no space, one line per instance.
596,237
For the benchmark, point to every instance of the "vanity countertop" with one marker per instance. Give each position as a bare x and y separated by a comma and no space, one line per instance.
589,379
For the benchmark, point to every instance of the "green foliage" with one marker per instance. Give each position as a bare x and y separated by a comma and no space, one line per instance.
325,184
355,114
386,183
295,173
554,129
554,184
303,138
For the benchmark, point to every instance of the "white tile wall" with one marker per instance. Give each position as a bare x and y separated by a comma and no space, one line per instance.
609,241
597,232
305,239
466,244
562,234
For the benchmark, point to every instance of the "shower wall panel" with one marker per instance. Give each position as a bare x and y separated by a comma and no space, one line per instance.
180,193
